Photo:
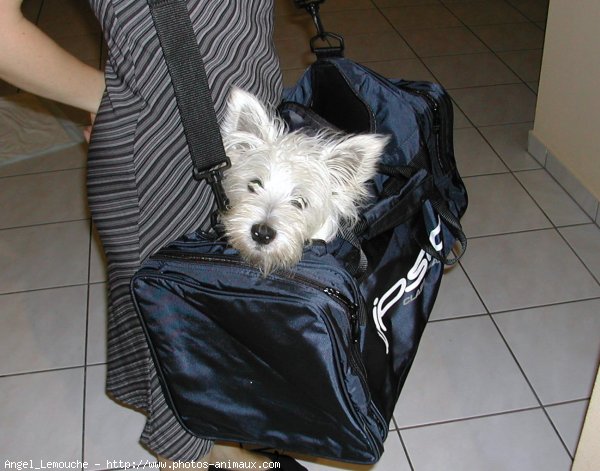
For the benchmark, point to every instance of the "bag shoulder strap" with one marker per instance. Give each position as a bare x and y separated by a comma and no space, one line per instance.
192,92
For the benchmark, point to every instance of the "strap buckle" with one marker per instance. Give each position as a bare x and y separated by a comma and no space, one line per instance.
312,7
214,178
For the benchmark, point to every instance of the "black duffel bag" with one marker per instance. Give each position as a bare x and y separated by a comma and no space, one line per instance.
311,359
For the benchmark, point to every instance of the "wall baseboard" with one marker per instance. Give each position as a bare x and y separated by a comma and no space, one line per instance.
582,196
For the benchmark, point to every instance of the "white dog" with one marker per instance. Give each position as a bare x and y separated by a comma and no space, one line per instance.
288,188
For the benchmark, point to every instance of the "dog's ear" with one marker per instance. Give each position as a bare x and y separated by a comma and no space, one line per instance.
351,163
246,114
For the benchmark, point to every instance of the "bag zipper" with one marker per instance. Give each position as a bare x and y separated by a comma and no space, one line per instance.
355,311
435,107
356,316
436,126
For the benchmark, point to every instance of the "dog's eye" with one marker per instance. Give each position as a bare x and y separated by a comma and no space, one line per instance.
299,203
253,185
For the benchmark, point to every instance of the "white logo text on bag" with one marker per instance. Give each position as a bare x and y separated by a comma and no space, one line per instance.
411,285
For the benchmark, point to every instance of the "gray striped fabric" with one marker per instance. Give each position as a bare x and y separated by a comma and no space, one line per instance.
140,187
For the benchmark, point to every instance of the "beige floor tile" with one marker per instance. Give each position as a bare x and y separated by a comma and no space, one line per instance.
526,269
296,26
568,419
97,324
420,17
510,37
377,47
474,156
499,205
47,256
42,330
443,41
526,64
585,240
44,421
470,70
70,158
294,53
352,22
486,12
407,69
287,7
43,198
404,3
462,369
111,431
510,142
498,104
557,347
554,201
456,298
523,441
535,10
460,120
342,5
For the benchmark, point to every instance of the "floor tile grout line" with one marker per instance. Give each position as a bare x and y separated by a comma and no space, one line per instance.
593,221
536,395
35,290
522,185
86,339
523,231
525,170
490,50
517,309
473,417
405,448
30,226
49,370
520,231
41,172
419,58
579,257
484,314
491,317
554,226
566,403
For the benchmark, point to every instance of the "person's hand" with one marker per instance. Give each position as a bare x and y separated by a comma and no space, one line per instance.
87,131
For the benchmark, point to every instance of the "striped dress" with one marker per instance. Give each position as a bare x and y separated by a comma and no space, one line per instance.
140,187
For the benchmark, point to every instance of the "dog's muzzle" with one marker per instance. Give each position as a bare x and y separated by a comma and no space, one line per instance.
263,234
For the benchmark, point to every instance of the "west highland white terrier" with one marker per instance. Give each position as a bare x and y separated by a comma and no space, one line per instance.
287,188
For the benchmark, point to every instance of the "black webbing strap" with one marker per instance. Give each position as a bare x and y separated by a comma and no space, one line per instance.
358,265
454,226
196,109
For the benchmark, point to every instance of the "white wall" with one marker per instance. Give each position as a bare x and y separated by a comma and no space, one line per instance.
567,120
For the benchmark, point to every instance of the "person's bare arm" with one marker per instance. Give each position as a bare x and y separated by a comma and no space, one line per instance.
32,61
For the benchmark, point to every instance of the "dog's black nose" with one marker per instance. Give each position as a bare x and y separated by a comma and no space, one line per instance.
263,234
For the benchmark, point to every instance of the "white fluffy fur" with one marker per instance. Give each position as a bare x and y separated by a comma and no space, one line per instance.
274,172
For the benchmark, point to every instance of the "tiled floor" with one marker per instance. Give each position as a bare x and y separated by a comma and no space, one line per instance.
505,368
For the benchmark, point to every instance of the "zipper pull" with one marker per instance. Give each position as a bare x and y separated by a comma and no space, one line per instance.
353,310
355,324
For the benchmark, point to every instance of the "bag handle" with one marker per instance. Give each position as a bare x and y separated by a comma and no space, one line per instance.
192,92
410,205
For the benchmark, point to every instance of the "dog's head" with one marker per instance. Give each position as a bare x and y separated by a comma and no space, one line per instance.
288,188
